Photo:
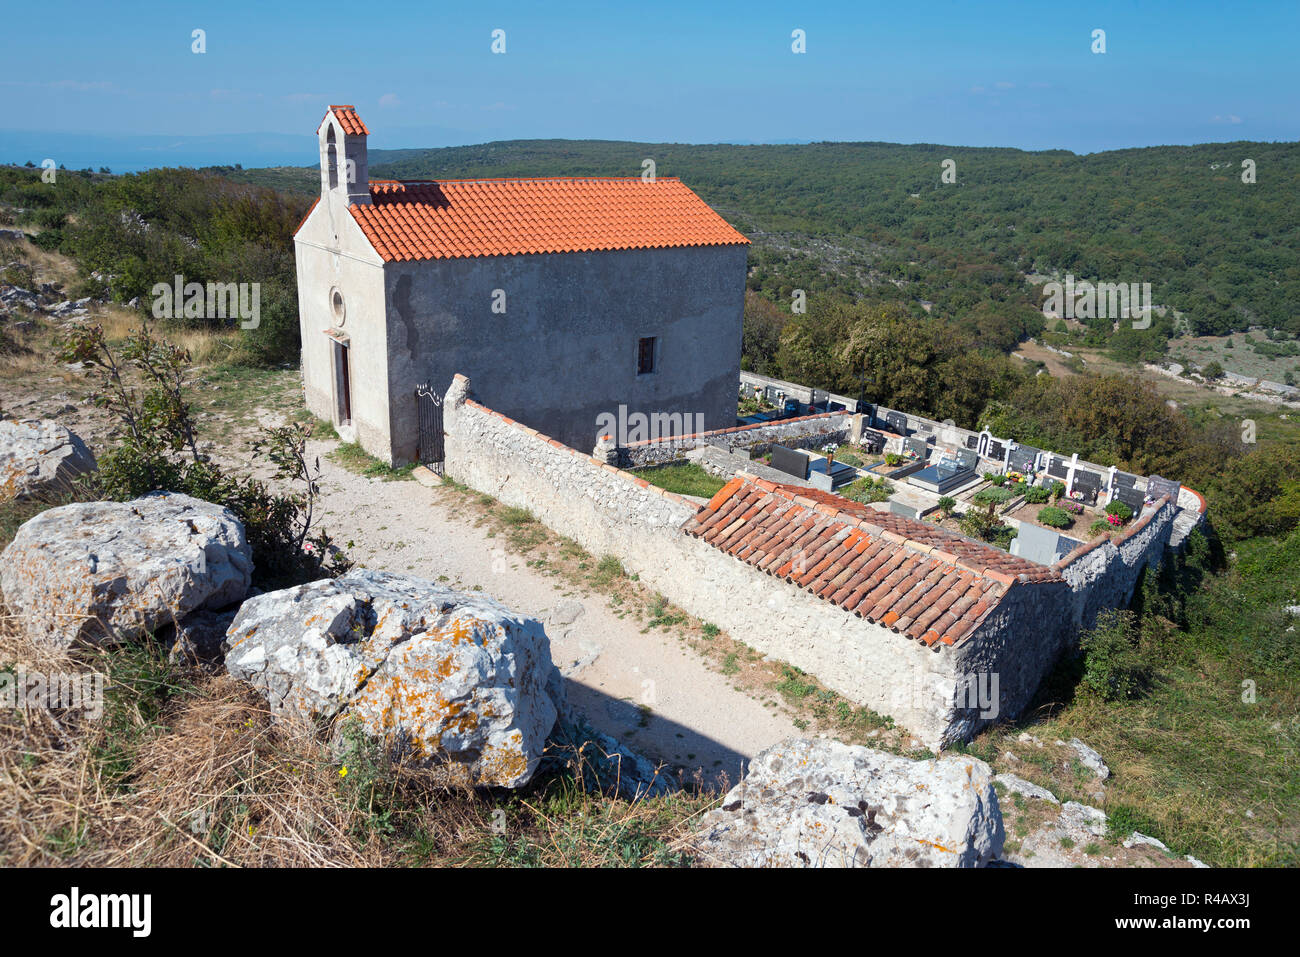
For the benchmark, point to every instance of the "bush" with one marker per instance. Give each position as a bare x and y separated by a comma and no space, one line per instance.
1054,517
1057,490
893,458
1037,495
159,452
868,490
1120,510
1114,670
946,504
985,525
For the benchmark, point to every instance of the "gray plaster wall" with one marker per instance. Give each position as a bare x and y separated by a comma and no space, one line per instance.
565,350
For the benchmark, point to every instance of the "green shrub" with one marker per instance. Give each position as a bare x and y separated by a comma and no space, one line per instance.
985,525
1037,495
893,458
1057,490
867,490
1054,517
946,504
1113,668
159,452
1119,509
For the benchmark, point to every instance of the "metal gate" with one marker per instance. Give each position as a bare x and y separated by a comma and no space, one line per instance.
429,405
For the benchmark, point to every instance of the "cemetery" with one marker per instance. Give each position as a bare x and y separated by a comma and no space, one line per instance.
893,594
1033,502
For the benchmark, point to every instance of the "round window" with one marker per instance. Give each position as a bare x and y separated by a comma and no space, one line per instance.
337,306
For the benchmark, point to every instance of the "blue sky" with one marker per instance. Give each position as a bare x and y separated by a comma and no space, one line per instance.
423,74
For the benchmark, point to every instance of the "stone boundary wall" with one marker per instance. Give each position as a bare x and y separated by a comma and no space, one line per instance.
802,432
603,508
794,390
1103,572
612,512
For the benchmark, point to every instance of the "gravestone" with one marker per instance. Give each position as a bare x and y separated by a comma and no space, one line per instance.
996,450
1089,483
1130,496
967,460
917,448
873,440
1058,468
790,461
972,441
896,422
1022,458
1157,486
1124,480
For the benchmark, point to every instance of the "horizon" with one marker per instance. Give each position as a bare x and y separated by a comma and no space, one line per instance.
116,165
1004,76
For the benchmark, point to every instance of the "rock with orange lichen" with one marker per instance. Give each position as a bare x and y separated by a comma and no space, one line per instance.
40,457
439,676
807,803
108,571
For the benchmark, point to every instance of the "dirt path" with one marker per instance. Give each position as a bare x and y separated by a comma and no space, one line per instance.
645,690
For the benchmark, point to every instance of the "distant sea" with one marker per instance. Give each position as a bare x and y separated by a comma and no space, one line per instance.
131,154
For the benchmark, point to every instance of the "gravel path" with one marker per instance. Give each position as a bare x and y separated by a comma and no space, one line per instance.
695,719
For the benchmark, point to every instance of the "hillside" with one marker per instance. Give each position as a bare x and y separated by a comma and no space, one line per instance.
873,215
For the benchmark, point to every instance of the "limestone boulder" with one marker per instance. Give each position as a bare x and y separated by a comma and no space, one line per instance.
806,803
440,677
105,571
39,457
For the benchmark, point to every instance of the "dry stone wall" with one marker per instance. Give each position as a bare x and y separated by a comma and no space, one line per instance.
940,696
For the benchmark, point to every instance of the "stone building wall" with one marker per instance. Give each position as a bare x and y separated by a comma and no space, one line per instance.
564,352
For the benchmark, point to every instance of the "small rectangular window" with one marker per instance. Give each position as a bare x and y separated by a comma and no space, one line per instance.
645,356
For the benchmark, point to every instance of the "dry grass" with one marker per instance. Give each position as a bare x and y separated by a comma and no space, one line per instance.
47,266
186,768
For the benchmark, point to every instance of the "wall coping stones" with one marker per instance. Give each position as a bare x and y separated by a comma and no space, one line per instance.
460,385
1123,536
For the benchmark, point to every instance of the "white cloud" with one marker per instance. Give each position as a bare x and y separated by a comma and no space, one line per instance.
389,100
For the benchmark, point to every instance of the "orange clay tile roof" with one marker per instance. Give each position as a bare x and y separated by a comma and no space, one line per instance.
913,578
509,217
348,119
